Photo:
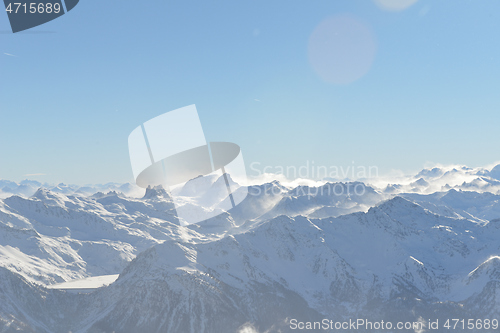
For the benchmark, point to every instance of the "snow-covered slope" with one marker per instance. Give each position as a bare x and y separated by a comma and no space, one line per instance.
306,252
52,237
483,206
398,260
397,252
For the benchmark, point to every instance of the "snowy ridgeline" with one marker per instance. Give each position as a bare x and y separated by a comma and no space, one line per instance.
425,182
330,251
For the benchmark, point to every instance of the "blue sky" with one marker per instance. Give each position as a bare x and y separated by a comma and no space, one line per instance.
73,89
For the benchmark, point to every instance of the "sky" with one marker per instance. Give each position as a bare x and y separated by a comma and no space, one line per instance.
337,83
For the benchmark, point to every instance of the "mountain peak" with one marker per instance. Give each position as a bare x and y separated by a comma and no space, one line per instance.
420,182
430,173
495,172
490,268
398,206
42,193
197,186
156,192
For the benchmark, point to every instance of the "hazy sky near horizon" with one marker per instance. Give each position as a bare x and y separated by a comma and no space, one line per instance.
339,83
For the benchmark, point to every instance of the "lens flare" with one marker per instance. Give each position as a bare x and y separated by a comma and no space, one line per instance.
395,5
341,49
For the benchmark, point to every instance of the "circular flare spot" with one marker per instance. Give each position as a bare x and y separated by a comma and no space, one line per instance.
341,49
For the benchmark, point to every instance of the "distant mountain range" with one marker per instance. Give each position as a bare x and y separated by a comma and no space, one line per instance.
399,252
27,188
426,181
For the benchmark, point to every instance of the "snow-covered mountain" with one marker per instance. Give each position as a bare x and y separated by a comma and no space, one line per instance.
445,178
27,188
52,237
427,181
303,252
